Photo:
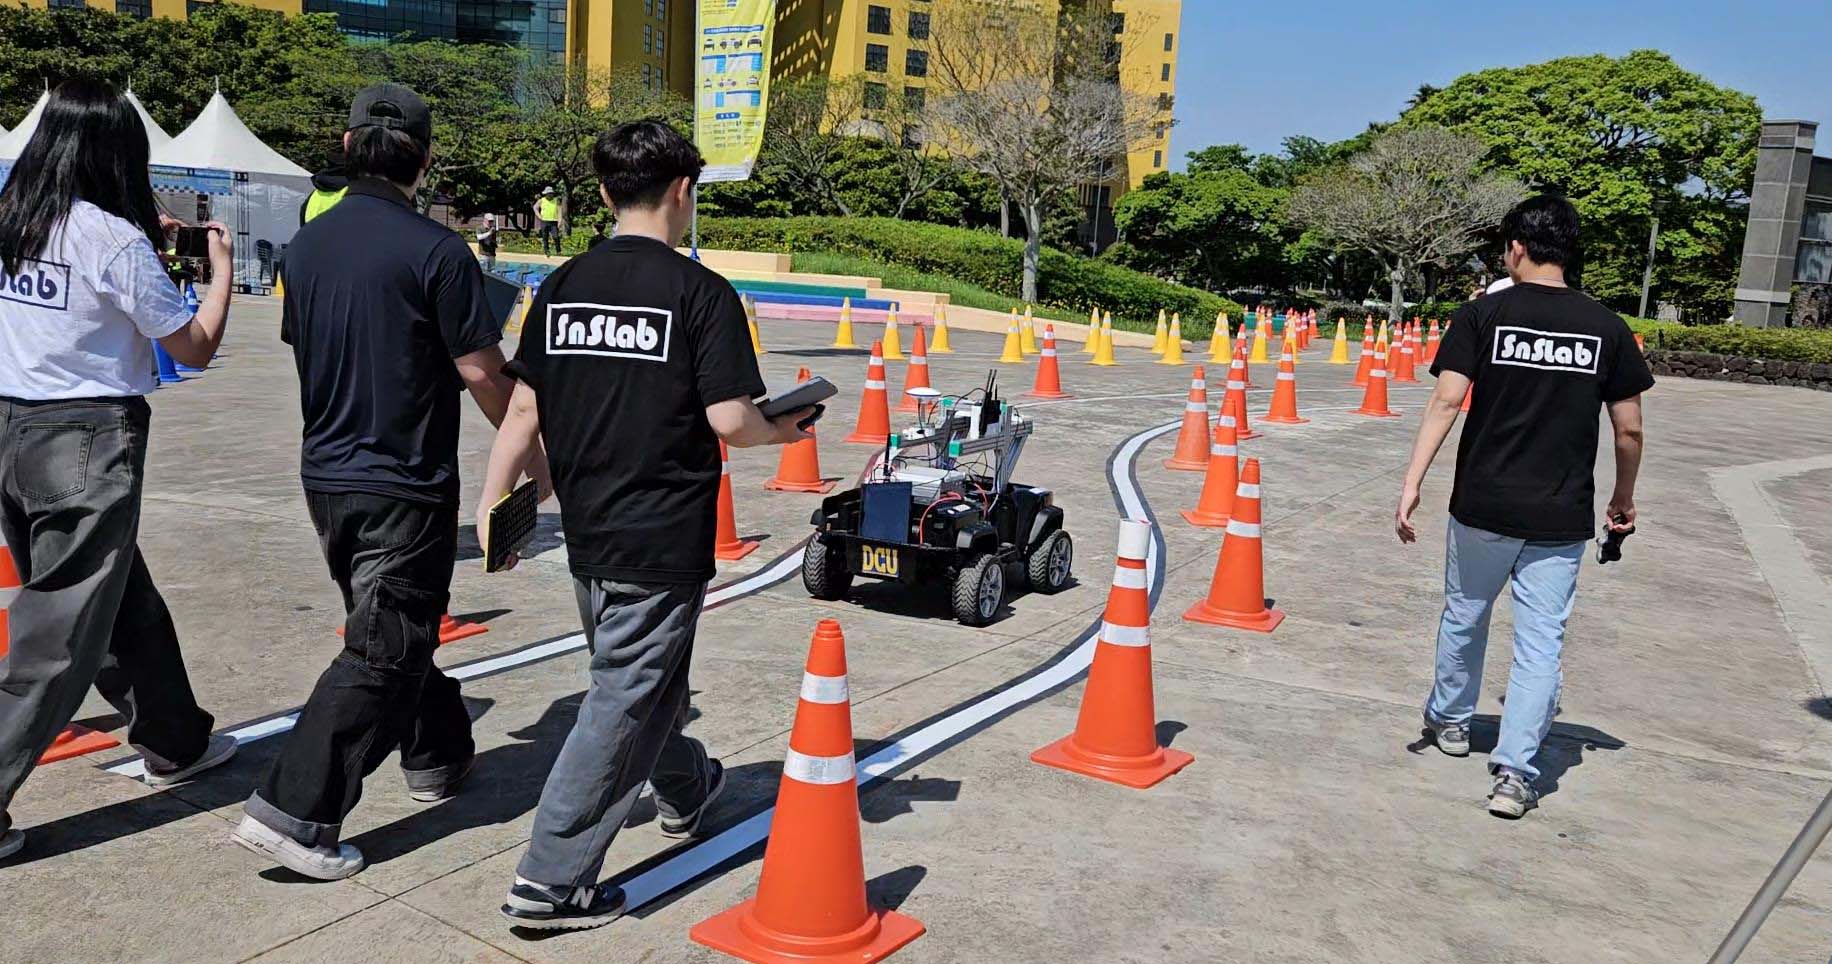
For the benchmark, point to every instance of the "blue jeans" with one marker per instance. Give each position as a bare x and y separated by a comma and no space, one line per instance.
1544,580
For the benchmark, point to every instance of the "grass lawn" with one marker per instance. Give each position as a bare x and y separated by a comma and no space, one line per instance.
896,276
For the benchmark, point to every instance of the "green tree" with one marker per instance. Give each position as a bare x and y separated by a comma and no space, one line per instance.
471,90
1626,138
1215,227
564,109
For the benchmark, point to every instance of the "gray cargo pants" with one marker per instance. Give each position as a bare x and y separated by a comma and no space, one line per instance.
71,474
640,637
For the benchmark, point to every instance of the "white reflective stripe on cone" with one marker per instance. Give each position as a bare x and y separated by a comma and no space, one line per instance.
1125,635
823,689
1379,373
1195,406
725,468
1049,353
1201,383
1247,490
1223,450
919,360
1239,528
1288,376
873,383
818,770
1126,578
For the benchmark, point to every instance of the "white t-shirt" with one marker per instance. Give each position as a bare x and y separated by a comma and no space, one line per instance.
75,322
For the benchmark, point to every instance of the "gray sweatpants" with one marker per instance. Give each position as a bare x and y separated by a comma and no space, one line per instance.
629,728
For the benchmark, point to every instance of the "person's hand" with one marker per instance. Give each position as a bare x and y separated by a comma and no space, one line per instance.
483,535
1620,516
222,251
787,430
169,225
1402,519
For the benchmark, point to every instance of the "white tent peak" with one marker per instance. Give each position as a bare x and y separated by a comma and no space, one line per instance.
156,137
218,139
13,144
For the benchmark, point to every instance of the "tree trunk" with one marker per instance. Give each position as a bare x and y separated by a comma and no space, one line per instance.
1397,305
1033,248
1004,216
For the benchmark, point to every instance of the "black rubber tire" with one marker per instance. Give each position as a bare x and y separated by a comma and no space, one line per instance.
824,572
968,583
1037,567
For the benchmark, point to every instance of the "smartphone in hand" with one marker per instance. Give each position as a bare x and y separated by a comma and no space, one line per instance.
193,243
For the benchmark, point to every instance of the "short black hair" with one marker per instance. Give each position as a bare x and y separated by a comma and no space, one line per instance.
637,161
1547,226
386,153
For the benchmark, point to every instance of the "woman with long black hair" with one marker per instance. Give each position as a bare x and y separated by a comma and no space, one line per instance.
83,295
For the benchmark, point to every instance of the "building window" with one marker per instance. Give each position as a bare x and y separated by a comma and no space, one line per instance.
1164,102
1169,42
877,58
916,63
919,26
875,95
1157,158
877,19
192,6
661,8
648,39
648,8
1164,73
73,4
661,42
134,8
915,97
1118,20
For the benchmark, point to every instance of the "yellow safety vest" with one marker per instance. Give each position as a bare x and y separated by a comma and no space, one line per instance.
550,209
322,201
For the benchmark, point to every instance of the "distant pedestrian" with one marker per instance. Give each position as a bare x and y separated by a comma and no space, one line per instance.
84,298
486,242
1543,358
547,211
597,237
387,317
633,432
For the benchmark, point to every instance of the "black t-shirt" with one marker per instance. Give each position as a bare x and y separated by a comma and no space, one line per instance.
625,346
379,300
1544,360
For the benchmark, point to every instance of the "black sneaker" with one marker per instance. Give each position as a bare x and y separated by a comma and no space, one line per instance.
544,908
688,824
442,783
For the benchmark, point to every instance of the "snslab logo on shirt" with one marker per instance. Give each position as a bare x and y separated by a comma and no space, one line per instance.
1553,351
41,284
610,331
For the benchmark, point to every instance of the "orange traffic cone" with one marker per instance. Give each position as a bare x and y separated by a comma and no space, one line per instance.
1192,453
1116,737
799,469
73,740
916,375
1284,409
810,904
874,426
1408,357
1365,361
1374,400
1049,373
726,544
1237,593
1431,343
1217,499
1467,395
1236,402
1246,362
451,629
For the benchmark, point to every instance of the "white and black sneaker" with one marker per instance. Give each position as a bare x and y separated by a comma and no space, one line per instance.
544,908
1452,738
216,752
319,863
11,842
688,824
1512,796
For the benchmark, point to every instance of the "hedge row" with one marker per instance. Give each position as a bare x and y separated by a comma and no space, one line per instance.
1771,344
981,258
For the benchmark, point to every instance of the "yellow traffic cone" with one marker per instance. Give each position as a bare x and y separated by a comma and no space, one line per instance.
1104,355
892,351
843,337
1173,342
279,287
940,344
1259,342
1013,354
1339,352
750,318
1381,338
1027,333
1220,346
1163,332
1091,344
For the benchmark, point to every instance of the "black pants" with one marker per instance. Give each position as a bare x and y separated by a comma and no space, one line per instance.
550,229
71,474
393,560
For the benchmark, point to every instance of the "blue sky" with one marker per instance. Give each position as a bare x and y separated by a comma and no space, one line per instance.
1253,73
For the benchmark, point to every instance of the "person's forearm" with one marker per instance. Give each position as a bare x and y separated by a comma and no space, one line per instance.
491,393
516,444
1628,465
752,430
196,342
1434,428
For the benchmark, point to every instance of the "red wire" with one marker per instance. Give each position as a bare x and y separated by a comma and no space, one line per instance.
921,520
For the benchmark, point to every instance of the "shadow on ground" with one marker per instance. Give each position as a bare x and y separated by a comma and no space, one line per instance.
1563,748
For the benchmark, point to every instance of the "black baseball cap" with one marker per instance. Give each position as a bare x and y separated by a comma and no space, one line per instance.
395,107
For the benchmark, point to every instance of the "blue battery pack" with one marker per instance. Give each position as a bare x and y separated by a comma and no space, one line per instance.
886,507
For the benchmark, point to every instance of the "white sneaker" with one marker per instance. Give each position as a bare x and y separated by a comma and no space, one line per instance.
218,751
319,863
11,842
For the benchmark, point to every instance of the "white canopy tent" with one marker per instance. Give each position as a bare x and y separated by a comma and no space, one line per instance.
156,137
13,144
238,180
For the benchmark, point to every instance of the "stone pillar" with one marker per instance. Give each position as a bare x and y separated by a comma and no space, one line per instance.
1784,162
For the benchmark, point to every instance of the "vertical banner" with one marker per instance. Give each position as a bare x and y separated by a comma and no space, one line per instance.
731,82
